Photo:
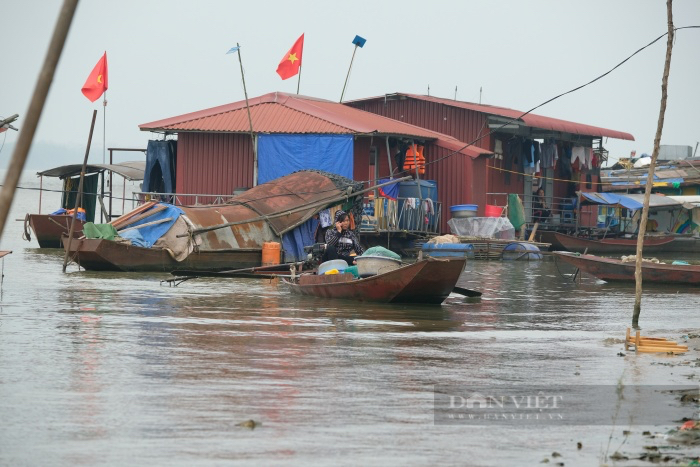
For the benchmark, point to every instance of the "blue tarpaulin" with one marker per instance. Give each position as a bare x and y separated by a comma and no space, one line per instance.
150,234
293,242
280,155
390,191
633,201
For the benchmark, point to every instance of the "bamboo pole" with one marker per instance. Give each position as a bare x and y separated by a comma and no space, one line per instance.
79,194
124,217
148,213
652,165
148,224
250,119
41,90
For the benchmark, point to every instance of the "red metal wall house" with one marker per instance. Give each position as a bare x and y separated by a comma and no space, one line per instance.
473,123
215,149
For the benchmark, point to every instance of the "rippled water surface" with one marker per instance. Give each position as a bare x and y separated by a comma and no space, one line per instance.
115,368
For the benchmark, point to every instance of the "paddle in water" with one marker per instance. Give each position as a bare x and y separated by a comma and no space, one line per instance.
466,292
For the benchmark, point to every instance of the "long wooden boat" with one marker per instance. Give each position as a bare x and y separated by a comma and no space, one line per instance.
218,237
612,245
609,269
97,254
48,229
428,281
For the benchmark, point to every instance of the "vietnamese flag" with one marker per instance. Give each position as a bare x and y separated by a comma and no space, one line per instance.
96,83
290,64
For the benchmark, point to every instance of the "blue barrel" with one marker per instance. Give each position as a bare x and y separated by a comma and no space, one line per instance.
521,250
453,250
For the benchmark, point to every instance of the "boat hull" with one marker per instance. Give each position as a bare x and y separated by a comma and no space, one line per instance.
429,281
614,270
613,245
106,255
48,229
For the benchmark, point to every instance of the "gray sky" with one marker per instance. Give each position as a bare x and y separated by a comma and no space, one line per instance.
167,58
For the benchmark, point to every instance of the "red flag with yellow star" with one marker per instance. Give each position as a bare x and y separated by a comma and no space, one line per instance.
290,64
96,83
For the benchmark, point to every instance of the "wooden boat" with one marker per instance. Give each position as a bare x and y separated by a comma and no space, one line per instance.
613,244
428,281
223,236
609,269
97,254
48,228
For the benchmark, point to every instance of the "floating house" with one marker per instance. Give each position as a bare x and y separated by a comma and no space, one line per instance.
233,147
570,154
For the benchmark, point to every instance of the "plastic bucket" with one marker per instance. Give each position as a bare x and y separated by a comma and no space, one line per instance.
464,210
270,253
338,264
493,211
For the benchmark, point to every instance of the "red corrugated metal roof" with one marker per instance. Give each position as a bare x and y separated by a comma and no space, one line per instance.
290,113
531,120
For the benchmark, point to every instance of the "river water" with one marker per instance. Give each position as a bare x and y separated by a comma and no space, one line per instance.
116,368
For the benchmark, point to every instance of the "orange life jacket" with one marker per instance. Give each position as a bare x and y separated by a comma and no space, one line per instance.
414,156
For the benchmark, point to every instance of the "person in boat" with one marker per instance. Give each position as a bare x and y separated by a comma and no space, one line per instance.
341,242
540,210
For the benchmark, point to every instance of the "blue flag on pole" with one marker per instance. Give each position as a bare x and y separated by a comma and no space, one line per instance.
233,50
359,41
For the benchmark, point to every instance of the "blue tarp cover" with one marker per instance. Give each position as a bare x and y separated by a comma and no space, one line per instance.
280,155
293,242
633,202
390,191
150,234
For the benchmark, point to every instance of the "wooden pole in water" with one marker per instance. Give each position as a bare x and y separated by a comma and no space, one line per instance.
41,90
79,194
652,165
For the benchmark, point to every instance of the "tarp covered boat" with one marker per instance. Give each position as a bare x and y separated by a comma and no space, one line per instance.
428,281
672,225
224,236
614,270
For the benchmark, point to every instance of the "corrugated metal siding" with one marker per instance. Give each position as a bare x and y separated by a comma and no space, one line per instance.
497,183
463,124
532,120
460,179
454,177
213,163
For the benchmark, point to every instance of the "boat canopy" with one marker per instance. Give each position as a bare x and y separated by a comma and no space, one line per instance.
129,170
688,200
631,201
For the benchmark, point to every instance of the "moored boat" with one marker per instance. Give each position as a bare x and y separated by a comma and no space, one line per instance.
427,281
163,237
652,244
48,229
614,270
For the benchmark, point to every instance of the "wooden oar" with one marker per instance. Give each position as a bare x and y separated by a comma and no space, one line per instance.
466,292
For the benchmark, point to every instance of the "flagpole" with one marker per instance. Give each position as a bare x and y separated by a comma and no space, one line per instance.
359,42
104,152
348,75
299,79
104,124
250,119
